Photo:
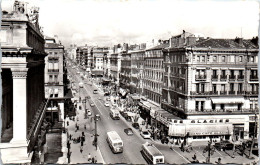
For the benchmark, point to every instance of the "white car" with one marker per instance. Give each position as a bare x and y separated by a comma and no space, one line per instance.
145,134
89,113
107,104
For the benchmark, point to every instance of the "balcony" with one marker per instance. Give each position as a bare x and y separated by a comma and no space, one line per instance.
240,78
253,78
223,77
52,83
232,78
214,78
251,92
199,93
53,70
241,92
231,92
223,92
200,77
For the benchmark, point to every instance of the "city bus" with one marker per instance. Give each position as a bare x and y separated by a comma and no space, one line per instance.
151,154
114,114
115,142
95,91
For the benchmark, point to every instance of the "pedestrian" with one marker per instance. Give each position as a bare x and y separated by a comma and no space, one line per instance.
219,160
89,157
182,147
77,127
70,136
195,156
67,123
85,127
81,143
93,159
81,149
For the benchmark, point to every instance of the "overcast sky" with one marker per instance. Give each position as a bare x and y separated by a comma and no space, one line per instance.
108,22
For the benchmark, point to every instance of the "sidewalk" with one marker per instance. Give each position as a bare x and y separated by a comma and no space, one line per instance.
76,155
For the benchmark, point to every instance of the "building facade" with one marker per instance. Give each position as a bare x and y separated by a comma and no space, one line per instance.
23,103
136,84
153,72
211,84
54,80
97,60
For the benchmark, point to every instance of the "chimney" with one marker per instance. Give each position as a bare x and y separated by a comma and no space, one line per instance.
239,40
255,40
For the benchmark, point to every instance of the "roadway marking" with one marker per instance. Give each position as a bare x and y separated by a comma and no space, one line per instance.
181,156
218,152
199,153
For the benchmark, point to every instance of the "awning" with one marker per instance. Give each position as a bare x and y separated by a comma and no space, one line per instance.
224,100
214,129
199,129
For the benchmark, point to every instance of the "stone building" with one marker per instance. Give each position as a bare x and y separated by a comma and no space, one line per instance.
96,60
115,64
137,60
153,72
23,103
212,85
54,79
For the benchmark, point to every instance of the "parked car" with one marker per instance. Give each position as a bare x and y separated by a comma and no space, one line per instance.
136,125
129,131
107,104
92,104
89,113
145,134
225,145
108,98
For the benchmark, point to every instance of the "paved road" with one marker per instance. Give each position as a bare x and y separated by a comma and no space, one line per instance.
132,144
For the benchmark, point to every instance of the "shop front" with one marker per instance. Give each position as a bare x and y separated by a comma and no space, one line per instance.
201,131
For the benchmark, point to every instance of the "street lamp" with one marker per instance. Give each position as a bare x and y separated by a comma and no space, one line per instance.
96,118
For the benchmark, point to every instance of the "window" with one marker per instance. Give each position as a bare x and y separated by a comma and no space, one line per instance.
50,78
202,88
202,106
197,106
214,58
252,59
232,73
198,58
223,58
232,87
240,58
203,58
240,87
197,88
55,53
214,88
223,73
214,73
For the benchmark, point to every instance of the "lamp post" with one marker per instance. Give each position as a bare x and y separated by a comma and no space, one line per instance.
96,118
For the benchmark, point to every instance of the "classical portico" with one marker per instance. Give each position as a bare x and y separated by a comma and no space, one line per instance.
23,103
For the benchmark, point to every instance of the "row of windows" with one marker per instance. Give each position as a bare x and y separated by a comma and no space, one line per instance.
215,58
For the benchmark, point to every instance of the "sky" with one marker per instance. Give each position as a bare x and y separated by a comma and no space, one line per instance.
109,22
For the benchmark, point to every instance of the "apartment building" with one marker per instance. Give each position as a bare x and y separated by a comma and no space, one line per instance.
153,72
54,84
211,84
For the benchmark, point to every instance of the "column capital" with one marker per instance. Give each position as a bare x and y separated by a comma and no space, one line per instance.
19,72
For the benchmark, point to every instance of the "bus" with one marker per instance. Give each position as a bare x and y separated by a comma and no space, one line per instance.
95,91
151,154
114,114
115,142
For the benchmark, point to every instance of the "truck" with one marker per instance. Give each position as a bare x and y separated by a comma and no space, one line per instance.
114,114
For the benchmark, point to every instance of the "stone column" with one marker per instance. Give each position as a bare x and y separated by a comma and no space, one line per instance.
19,104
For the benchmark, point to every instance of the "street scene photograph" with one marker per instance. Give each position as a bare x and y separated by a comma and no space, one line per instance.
129,82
